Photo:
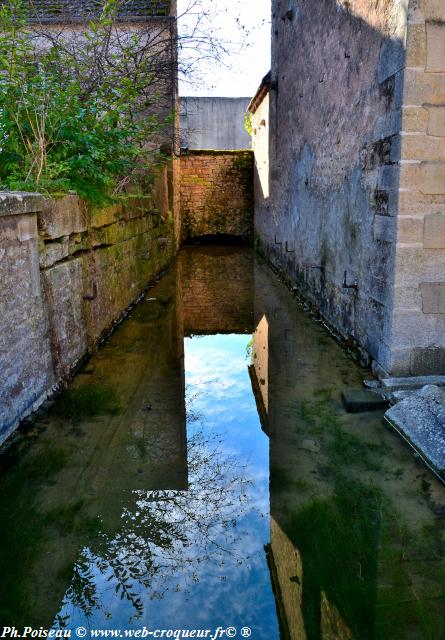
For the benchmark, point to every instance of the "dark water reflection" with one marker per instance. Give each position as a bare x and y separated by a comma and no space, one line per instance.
143,497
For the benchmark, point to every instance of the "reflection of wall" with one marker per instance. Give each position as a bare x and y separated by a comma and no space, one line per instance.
214,123
287,578
333,626
94,466
298,367
259,370
346,493
216,289
261,358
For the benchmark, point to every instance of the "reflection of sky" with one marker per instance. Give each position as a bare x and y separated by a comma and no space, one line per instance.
222,577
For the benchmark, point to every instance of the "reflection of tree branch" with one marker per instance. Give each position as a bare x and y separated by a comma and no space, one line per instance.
168,535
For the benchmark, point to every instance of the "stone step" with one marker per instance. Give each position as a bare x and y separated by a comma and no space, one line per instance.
361,400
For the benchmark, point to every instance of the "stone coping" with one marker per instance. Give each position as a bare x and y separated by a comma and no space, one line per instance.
214,152
14,203
412,383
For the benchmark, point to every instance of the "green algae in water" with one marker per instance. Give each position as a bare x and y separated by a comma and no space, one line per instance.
25,530
338,541
88,400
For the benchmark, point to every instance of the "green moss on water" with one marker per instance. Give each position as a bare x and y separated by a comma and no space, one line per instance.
26,533
281,479
43,465
338,541
316,415
350,450
141,448
342,447
86,401
63,516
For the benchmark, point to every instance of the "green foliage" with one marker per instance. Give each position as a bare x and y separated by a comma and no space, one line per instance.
248,123
249,351
74,122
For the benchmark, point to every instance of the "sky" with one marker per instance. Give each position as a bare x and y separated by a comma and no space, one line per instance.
245,26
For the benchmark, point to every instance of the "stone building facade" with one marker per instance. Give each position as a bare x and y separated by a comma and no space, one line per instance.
353,115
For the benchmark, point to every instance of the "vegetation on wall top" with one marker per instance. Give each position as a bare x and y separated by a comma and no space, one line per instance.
76,118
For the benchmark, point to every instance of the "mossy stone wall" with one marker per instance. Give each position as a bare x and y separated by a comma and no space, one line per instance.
68,275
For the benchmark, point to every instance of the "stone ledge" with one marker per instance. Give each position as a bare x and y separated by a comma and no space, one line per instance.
419,418
412,383
215,152
13,203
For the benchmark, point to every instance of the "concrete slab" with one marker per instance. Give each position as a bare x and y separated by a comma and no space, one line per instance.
361,400
420,420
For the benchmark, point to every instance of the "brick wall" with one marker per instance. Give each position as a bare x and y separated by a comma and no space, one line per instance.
217,193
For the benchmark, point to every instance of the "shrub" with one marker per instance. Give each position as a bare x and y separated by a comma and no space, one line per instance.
75,122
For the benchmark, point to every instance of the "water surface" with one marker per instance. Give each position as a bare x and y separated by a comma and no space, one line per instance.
201,472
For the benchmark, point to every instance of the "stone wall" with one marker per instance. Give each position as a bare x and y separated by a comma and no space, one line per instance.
260,112
417,338
67,276
216,193
345,147
26,370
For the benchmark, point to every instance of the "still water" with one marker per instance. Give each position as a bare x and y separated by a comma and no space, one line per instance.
201,472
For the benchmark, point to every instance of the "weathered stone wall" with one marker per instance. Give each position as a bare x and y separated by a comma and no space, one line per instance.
217,193
340,213
67,276
25,353
417,337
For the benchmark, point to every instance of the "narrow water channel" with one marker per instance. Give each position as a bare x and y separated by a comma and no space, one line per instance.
201,472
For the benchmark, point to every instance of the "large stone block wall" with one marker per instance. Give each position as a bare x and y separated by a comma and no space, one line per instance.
217,193
417,337
25,353
355,201
67,275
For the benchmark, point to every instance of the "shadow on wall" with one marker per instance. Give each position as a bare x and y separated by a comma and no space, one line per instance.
328,145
